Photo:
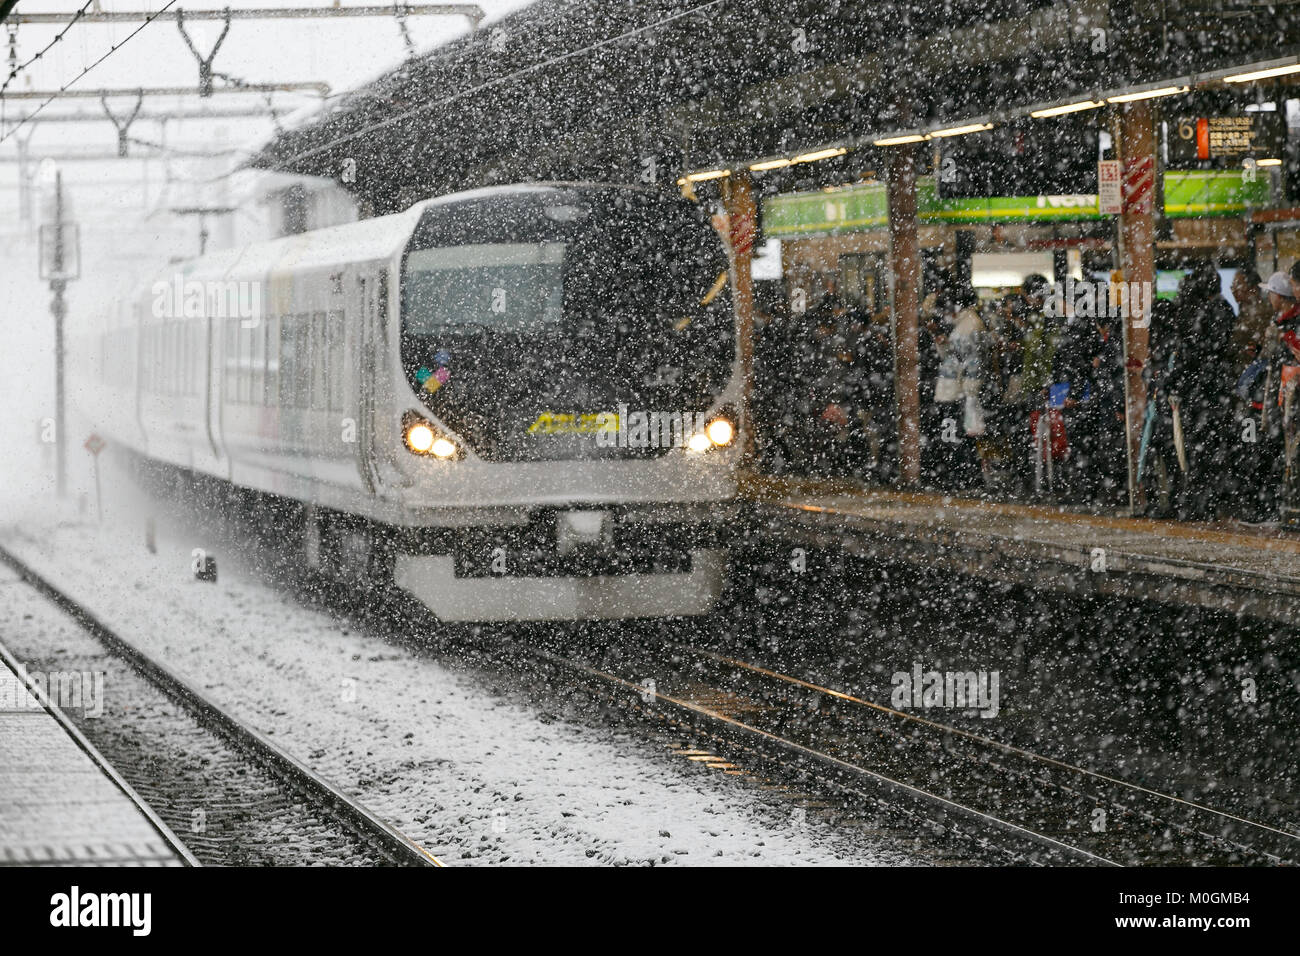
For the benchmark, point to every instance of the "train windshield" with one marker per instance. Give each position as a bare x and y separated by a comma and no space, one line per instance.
501,285
526,314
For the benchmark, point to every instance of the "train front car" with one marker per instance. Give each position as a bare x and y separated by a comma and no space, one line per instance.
569,414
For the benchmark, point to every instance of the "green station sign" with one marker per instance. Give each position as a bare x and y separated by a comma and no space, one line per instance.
1188,193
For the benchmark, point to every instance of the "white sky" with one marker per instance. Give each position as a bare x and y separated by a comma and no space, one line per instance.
345,53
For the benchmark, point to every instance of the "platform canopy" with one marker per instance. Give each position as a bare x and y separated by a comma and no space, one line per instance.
651,88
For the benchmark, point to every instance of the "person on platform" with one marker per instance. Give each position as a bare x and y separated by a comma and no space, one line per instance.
958,392
1286,365
1260,398
1254,315
1253,335
1200,389
932,344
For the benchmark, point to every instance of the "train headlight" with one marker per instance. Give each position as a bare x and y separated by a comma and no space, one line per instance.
421,439
720,432
698,442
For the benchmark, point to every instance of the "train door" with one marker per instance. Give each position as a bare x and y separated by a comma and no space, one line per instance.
210,384
368,333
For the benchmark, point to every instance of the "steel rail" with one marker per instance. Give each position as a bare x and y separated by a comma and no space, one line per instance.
316,790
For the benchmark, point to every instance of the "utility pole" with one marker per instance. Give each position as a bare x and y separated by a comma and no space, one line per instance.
60,263
60,309
203,212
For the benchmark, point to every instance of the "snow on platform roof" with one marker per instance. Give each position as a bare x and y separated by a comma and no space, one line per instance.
591,90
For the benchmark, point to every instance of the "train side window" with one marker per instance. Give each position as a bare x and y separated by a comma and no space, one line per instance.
338,351
169,357
303,357
258,369
196,376
245,363
231,362
177,362
192,376
272,325
237,390
319,359
164,358
288,359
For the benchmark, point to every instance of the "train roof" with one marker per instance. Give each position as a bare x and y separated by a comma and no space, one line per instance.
331,248
334,247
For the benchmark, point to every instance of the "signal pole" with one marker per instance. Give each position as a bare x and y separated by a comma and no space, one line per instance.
60,262
60,309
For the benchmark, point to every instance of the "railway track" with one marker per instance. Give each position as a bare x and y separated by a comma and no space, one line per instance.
1004,802
237,796
805,765
1043,809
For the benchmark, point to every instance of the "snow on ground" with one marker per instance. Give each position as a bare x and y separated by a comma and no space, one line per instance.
471,776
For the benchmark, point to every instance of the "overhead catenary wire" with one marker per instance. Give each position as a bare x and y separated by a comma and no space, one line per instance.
111,50
406,114
13,73
192,153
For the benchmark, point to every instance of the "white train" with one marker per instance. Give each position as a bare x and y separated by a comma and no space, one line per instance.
522,402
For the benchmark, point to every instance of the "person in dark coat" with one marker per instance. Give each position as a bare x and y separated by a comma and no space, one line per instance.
775,370
1200,391
1093,364
932,338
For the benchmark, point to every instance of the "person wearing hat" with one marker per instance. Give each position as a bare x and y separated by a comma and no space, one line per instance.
1254,315
1254,343
1256,386
1282,334
1279,290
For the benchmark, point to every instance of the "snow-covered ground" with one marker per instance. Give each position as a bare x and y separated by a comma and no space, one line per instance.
473,774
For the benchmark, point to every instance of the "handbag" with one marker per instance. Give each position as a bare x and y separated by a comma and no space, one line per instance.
947,388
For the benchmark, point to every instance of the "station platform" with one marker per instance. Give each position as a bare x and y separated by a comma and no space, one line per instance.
1226,566
61,804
